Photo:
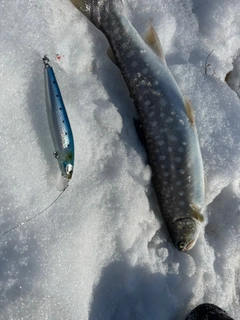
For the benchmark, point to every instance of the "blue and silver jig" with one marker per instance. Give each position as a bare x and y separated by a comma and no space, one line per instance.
61,133
59,124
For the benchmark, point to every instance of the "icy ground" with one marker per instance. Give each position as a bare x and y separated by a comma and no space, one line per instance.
95,253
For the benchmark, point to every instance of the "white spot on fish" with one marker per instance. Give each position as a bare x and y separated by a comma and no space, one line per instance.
173,138
105,24
181,193
118,37
145,70
130,54
184,143
181,121
116,31
147,103
134,64
158,72
177,159
152,114
182,171
163,102
139,74
169,119
156,83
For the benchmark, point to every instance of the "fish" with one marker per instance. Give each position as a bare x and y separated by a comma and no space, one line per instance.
208,311
166,119
58,122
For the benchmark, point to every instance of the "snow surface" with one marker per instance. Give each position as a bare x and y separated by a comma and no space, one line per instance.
100,252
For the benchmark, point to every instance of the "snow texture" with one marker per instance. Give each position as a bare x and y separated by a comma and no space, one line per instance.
100,252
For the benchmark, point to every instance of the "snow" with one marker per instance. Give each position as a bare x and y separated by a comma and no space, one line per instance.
100,252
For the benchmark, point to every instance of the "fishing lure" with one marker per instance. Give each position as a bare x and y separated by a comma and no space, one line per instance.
59,124
61,133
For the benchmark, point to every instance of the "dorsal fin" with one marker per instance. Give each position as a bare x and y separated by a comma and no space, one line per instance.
152,40
189,110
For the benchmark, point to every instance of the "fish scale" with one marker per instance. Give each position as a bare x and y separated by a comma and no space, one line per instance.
165,116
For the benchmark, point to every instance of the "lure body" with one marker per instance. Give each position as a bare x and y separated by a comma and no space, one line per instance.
59,124
166,118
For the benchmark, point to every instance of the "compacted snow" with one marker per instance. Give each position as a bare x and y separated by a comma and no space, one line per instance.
102,250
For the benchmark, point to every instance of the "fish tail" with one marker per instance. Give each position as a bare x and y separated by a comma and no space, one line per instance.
98,11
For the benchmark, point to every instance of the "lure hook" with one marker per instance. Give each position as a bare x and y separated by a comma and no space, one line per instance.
46,61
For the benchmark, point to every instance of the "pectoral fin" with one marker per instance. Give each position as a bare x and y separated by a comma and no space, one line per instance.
153,41
189,110
196,212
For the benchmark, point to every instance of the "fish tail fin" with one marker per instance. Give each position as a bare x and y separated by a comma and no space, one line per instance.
98,11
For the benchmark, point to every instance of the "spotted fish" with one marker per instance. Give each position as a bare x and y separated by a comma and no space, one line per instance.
166,119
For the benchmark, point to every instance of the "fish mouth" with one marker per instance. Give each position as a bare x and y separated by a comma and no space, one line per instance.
184,247
190,245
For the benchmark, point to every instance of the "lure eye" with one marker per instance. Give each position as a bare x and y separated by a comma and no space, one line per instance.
69,171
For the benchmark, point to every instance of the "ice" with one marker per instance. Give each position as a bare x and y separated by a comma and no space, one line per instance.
99,252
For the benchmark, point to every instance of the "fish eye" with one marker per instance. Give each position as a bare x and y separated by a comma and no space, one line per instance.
181,245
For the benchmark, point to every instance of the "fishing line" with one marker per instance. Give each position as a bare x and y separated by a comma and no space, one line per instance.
33,217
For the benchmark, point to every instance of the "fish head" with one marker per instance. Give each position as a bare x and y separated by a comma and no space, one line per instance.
184,233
